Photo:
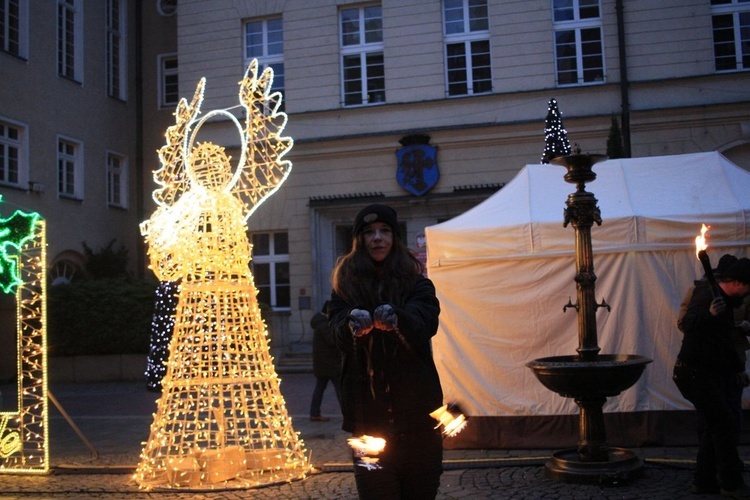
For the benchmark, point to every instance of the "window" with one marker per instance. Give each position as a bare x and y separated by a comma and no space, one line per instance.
362,64
579,52
14,27
270,267
116,45
467,47
731,26
69,39
264,41
13,164
117,180
69,169
169,92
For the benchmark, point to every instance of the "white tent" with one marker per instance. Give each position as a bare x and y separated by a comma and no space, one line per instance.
504,270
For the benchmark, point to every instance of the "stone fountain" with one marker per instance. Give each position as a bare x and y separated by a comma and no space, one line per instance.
588,377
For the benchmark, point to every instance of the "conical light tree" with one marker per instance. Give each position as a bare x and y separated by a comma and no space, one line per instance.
555,136
221,421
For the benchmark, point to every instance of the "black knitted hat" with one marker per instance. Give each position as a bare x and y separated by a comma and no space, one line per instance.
725,262
375,213
739,271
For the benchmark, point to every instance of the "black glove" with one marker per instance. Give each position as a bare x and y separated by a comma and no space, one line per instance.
385,317
718,306
360,322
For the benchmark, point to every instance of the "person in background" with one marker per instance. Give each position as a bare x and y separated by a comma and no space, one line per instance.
384,313
326,363
706,374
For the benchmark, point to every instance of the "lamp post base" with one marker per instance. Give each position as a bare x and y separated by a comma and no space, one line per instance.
621,466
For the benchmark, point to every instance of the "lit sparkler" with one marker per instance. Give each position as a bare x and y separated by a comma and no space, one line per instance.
450,418
366,448
366,445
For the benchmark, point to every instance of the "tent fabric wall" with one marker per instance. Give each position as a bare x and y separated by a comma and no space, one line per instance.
504,270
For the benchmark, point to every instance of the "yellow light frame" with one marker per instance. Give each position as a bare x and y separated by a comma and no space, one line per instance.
221,421
24,436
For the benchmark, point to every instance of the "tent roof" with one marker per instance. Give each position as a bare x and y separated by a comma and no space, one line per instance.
646,204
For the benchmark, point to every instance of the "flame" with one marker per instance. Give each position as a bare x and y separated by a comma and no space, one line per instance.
367,445
700,241
450,418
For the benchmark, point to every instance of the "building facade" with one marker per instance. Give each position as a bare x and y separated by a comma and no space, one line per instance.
473,77
78,108
81,98
427,105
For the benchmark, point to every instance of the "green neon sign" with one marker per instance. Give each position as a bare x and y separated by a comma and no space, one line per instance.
15,232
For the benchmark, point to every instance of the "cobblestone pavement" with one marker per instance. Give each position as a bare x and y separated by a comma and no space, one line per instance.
115,418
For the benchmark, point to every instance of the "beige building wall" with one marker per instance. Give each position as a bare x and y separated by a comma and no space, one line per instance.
48,106
344,157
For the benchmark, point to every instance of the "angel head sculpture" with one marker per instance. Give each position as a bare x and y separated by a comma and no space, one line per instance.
197,179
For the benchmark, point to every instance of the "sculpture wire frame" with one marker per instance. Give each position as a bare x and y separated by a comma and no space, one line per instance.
221,422
24,442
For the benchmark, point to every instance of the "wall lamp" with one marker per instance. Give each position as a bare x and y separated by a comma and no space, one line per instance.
36,187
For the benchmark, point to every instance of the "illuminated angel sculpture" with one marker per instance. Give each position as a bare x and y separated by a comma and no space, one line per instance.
221,421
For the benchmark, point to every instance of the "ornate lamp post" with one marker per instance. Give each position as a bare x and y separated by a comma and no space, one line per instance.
588,377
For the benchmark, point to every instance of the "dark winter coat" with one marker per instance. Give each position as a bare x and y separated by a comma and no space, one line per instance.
390,383
326,355
708,345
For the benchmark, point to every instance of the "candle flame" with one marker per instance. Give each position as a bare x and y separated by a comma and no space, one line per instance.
700,241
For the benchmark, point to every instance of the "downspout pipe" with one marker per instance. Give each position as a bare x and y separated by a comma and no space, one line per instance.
624,82
139,207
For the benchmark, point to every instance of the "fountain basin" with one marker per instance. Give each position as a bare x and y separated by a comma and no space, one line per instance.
605,376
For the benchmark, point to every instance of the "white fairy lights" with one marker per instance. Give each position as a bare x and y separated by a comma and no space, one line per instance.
221,421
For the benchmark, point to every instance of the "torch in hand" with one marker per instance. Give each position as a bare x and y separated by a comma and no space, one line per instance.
701,246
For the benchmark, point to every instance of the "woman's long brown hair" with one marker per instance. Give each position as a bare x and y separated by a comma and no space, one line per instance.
362,282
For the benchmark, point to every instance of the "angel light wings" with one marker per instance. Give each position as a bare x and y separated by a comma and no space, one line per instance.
221,421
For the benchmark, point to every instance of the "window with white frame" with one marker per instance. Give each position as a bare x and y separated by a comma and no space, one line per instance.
270,266
264,41
731,26
14,27
169,91
116,48
467,47
117,180
13,163
69,168
70,39
579,51
362,63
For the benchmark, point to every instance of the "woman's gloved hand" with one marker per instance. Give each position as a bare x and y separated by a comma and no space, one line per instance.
360,322
385,317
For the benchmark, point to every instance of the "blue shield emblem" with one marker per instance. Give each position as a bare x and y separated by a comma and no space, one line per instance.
417,168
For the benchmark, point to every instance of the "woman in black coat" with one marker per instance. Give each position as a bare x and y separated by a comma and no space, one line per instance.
383,313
